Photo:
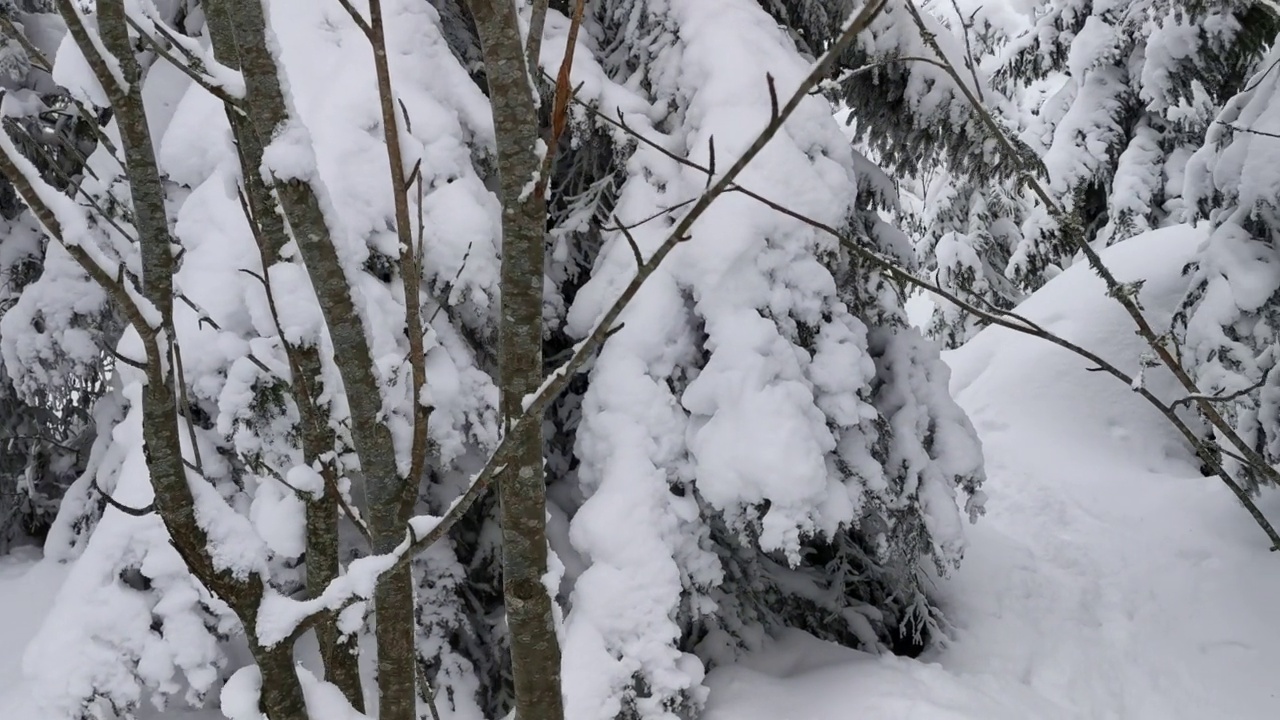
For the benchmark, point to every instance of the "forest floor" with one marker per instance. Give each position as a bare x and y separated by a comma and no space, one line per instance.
1109,580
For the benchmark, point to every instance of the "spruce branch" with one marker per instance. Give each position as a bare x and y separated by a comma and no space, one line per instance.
336,598
1115,288
995,316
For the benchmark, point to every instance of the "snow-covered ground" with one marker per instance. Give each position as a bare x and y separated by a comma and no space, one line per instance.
1109,580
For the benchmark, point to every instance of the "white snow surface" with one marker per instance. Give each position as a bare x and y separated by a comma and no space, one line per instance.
1109,580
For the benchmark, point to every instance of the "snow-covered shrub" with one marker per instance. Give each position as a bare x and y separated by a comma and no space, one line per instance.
1229,323
1134,87
764,443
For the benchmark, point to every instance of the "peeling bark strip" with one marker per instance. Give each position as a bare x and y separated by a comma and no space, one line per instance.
535,651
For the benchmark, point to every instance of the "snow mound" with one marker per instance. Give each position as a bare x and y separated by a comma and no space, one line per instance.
801,677
1109,580
1109,577
1005,378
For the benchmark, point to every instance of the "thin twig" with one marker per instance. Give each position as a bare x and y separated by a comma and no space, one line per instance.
358,18
197,77
130,511
1249,131
965,28
654,215
410,263
184,404
537,404
1188,400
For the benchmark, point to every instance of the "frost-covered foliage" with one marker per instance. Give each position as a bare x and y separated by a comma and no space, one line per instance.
764,443
1229,322
971,235
43,432
1132,88
914,117
1111,96
44,428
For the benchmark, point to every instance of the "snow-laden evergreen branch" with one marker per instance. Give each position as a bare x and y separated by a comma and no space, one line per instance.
1132,307
284,620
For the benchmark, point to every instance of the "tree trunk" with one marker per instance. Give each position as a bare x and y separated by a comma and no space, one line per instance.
340,656
387,493
281,696
174,502
535,651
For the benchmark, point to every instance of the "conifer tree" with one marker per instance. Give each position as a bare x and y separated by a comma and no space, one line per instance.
1227,324
1136,85
45,431
761,442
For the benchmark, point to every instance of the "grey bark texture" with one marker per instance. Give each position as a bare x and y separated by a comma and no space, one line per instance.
535,651
282,696
340,656
386,492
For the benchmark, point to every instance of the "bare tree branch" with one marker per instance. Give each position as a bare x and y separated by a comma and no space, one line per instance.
537,404
533,43
130,511
93,49
1127,299
196,76
410,268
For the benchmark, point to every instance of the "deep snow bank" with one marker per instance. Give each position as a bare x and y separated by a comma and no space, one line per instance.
1109,579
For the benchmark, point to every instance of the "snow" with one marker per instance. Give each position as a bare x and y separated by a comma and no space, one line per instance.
27,589
324,700
1108,580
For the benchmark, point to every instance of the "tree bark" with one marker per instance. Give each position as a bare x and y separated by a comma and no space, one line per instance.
387,494
174,501
340,655
535,651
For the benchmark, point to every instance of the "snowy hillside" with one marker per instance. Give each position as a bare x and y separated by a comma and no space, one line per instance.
1109,580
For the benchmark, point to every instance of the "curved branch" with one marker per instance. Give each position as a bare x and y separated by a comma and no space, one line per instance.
130,511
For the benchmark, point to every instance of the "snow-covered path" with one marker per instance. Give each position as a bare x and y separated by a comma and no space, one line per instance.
1108,581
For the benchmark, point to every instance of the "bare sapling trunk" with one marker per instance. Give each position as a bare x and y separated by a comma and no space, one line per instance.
387,493
535,651
338,654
